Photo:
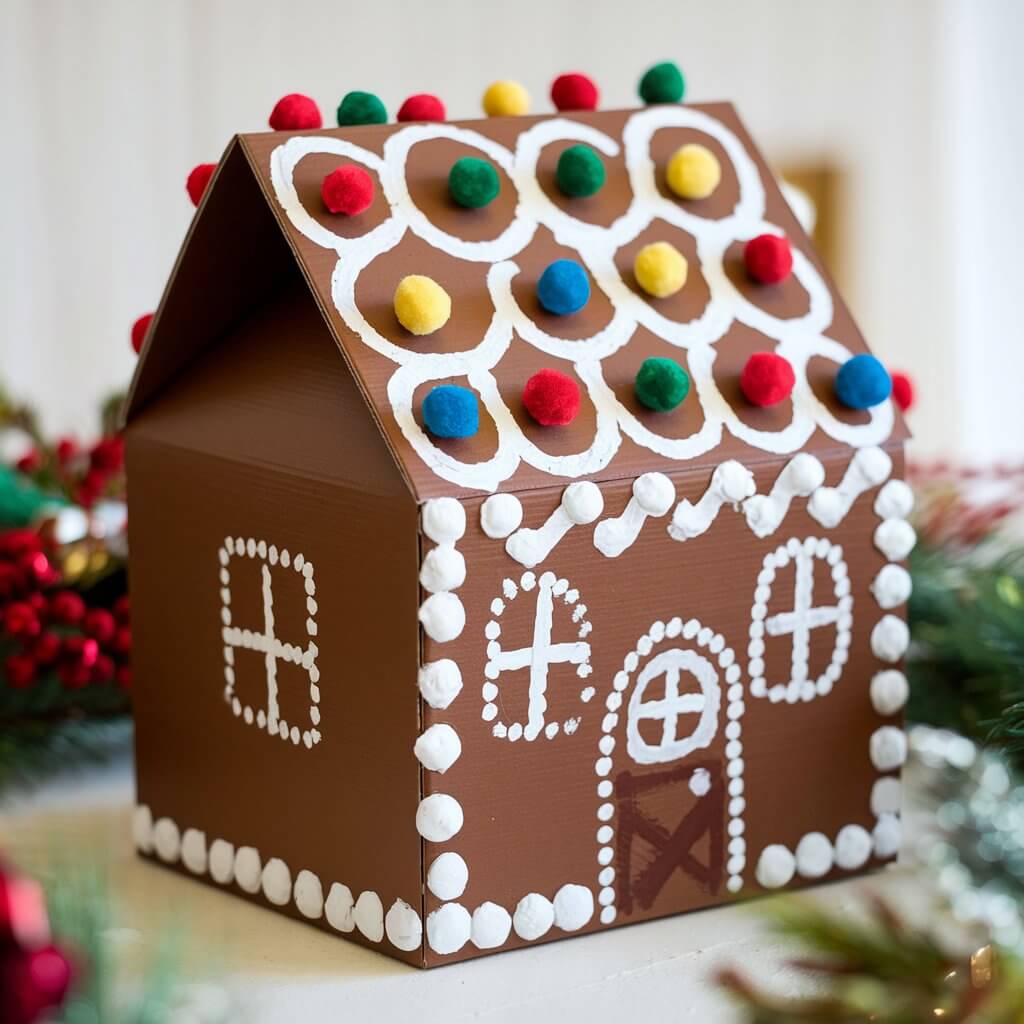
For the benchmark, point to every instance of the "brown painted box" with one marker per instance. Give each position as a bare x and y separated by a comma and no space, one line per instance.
446,697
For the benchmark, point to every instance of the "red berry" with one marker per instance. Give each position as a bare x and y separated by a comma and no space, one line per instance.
767,379
768,258
74,674
574,91
46,649
20,670
36,567
21,621
122,640
295,113
32,981
30,461
67,608
422,107
139,330
902,390
103,670
67,449
100,625
81,649
23,916
108,454
123,608
124,677
198,178
552,398
347,189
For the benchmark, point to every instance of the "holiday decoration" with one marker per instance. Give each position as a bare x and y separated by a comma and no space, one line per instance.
361,108
422,107
199,177
660,269
862,382
769,258
473,183
693,172
295,113
348,189
574,91
619,609
580,172
139,330
662,83
902,390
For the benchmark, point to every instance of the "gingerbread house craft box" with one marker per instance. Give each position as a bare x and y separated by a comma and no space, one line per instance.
517,554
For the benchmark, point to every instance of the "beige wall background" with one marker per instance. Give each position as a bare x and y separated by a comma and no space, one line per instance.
106,104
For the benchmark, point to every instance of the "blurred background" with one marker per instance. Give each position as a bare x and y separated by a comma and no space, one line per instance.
900,118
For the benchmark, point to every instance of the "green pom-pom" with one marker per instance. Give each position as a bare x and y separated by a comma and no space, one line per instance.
473,183
662,384
580,172
361,108
664,83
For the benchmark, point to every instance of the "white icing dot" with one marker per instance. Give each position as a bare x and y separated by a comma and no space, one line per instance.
142,828
607,915
807,473
501,515
892,586
166,840
853,847
247,869
814,855
403,926
654,493
888,836
444,520
895,500
886,796
309,895
448,876
888,748
491,926
193,851
895,538
534,915
449,928
369,916
700,782
339,908
775,867
222,861
438,748
875,464
583,502
574,907
890,638
889,691
277,882
438,817
443,617
735,481
440,682
443,568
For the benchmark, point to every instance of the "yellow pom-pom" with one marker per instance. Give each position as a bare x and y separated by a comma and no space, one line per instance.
660,269
506,99
693,172
421,304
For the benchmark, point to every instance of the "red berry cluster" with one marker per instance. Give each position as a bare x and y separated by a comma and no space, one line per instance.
52,629
86,475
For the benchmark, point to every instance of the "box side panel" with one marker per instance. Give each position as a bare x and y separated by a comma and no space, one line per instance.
276,651
642,716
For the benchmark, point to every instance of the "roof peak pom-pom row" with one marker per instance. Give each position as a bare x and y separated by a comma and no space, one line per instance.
663,83
424,106
294,113
506,99
574,91
361,108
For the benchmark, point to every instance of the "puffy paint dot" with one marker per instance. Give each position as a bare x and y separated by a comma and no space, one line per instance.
166,840
361,108
892,586
580,172
339,908
422,306
449,928
403,926
775,867
700,782
895,500
583,502
886,796
814,855
853,847
439,817
248,869
369,916
309,895
506,99
443,568
807,473
142,828
890,638
193,851
438,748
222,861
491,926
534,915
443,617
862,382
768,258
501,515
889,691
423,106
887,837
895,538
473,183
444,520
448,876
888,748
573,906
662,83
563,287
277,882
661,384
693,171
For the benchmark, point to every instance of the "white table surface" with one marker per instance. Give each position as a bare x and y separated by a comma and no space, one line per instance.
273,969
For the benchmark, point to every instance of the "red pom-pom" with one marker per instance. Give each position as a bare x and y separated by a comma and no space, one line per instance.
295,113
139,329
902,390
197,181
30,461
767,379
574,92
422,107
552,398
347,189
67,607
769,258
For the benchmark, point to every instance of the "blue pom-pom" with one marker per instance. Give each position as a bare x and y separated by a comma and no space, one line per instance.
563,288
451,411
863,382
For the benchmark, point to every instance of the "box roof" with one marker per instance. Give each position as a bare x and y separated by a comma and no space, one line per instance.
489,260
